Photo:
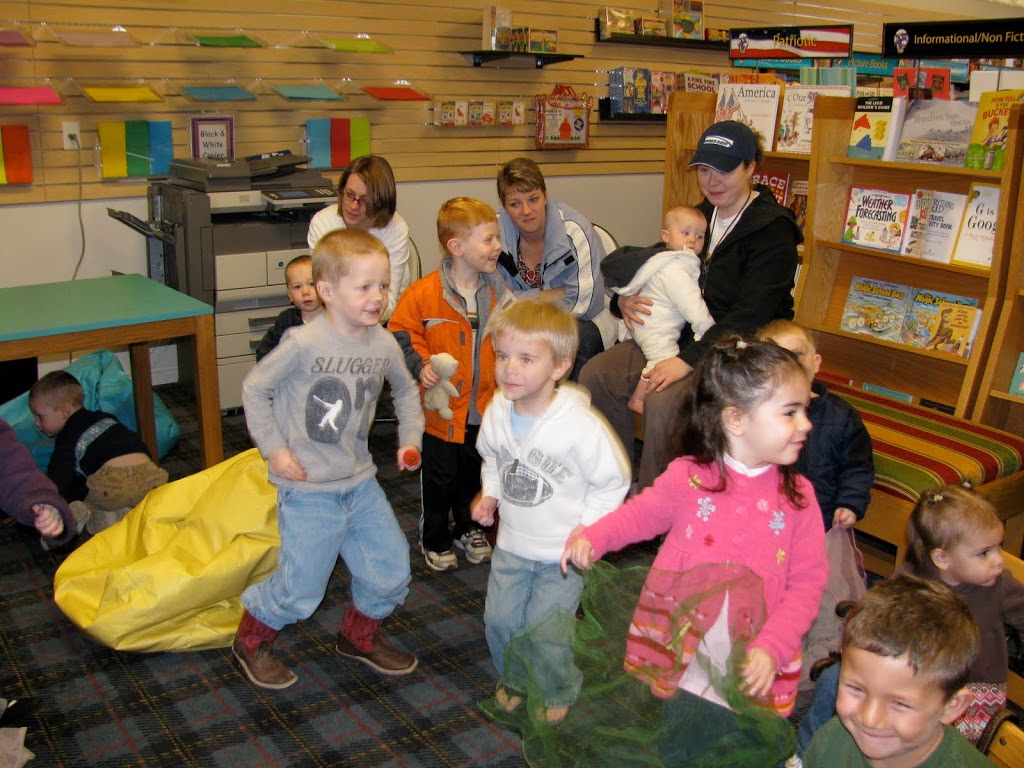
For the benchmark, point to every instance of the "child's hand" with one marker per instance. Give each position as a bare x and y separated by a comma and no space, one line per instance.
844,517
482,510
578,551
758,673
428,378
284,464
409,457
48,521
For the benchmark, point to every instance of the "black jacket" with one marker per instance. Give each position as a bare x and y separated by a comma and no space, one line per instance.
289,318
749,281
837,456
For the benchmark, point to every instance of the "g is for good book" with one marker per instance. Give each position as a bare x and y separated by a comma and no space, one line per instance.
991,126
977,234
875,308
877,218
875,132
936,132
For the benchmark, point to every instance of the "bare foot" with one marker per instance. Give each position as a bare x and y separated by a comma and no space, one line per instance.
636,405
636,400
508,702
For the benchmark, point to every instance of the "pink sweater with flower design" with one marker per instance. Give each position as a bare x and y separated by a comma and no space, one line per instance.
750,523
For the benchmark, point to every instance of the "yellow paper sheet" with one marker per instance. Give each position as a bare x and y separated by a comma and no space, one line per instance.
121,94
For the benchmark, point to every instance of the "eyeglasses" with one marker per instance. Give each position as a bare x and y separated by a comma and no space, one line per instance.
352,197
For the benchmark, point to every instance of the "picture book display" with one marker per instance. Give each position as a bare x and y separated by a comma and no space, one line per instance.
876,308
943,322
753,104
777,182
876,218
934,223
797,116
936,131
991,125
977,234
875,132
934,80
1017,385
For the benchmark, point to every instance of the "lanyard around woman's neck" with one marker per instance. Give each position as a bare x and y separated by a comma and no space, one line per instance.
716,241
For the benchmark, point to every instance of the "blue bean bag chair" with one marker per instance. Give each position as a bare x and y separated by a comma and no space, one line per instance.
107,388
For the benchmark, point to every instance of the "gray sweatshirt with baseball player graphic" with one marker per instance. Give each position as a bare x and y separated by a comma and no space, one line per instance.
316,393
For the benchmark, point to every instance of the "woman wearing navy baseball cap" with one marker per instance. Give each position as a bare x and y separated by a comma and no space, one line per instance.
747,270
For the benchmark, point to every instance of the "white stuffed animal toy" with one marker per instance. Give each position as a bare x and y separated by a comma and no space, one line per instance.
436,398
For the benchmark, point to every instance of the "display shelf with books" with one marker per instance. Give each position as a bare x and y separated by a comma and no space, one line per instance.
1000,401
665,42
938,372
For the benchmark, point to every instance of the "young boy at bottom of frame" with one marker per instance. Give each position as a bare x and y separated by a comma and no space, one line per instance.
308,407
306,305
907,649
554,465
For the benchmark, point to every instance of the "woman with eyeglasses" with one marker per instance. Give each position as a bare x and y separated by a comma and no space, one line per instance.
551,252
367,198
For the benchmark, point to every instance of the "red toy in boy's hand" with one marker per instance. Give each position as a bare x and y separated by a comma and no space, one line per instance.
412,459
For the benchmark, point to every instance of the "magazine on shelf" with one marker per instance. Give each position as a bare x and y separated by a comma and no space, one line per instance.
945,322
875,308
1017,385
753,104
991,126
934,223
876,218
875,132
936,132
977,234
797,118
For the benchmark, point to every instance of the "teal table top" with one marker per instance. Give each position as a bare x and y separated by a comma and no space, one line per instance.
30,311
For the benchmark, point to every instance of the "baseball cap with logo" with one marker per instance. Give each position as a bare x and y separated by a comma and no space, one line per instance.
725,145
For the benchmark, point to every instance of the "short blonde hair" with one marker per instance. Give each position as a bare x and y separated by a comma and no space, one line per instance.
683,210
542,319
305,260
56,388
460,216
337,249
781,327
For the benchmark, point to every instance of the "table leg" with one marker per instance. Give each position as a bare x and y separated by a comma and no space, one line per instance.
211,439
142,383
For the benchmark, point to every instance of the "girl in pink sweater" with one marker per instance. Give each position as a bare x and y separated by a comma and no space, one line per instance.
740,574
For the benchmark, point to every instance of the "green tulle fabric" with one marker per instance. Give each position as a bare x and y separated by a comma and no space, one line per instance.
616,720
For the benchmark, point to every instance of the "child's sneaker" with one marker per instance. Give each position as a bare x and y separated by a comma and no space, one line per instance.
440,561
474,543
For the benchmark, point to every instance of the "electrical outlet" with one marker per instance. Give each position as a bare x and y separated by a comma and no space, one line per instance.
72,135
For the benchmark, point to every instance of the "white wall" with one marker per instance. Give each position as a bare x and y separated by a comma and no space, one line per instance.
42,242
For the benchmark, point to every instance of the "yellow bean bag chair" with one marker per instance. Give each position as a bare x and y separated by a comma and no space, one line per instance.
168,577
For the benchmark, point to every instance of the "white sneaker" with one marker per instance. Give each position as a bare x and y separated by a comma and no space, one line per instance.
474,543
440,561
794,762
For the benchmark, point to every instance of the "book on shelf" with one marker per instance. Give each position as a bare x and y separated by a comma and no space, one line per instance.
991,126
753,104
614,21
875,132
875,308
944,322
778,183
797,202
934,223
977,234
876,218
935,80
698,82
662,85
797,116
895,394
1017,384
497,28
936,132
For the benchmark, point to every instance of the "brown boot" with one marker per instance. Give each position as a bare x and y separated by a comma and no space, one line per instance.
360,640
251,647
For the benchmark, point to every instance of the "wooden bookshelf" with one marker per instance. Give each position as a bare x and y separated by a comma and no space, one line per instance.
830,265
996,405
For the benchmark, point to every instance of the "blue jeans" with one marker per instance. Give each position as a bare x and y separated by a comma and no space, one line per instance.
529,595
823,708
591,344
317,526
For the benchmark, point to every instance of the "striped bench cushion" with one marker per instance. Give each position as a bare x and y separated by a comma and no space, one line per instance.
918,448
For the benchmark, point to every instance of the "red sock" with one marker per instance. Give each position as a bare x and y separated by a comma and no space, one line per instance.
252,632
359,628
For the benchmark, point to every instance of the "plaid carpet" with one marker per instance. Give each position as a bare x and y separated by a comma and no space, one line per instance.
97,707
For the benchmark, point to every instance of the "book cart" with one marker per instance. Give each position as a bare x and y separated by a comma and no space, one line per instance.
996,405
915,447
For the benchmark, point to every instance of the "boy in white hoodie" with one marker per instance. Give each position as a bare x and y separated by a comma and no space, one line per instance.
555,465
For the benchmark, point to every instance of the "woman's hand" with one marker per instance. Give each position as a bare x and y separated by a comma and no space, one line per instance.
633,308
844,517
667,372
284,464
758,673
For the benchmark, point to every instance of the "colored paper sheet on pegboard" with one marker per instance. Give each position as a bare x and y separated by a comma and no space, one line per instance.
334,142
135,148
15,155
